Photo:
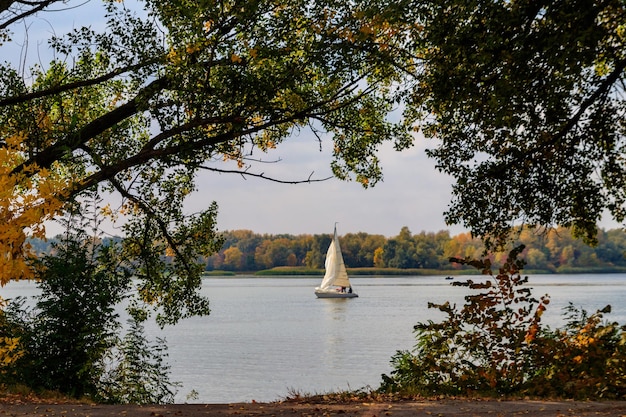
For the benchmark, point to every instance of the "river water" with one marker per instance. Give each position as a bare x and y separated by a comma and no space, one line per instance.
267,338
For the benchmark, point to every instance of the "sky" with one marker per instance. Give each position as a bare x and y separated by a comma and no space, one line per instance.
412,194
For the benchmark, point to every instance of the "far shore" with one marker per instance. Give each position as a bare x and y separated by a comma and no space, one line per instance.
397,272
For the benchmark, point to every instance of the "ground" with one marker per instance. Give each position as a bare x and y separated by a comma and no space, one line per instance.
413,408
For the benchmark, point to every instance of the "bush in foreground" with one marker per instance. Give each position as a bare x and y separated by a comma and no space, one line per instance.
495,345
69,342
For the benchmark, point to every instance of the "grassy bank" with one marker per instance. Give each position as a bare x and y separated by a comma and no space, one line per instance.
218,273
284,270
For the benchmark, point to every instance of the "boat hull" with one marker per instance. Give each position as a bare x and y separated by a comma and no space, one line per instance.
335,294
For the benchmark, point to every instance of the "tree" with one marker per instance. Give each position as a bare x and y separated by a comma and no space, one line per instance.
430,249
232,258
140,375
536,259
274,252
78,322
526,100
316,255
143,106
399,252
379,257
371,246
69,341
74,323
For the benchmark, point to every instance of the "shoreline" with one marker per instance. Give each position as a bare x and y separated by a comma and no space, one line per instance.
400,408
302,272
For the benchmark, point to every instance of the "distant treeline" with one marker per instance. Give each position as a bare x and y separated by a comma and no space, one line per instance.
555,251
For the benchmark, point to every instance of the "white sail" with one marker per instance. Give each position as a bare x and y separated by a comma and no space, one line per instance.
336,274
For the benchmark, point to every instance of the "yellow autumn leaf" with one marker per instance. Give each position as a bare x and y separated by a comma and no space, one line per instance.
27,201
106,211
367,30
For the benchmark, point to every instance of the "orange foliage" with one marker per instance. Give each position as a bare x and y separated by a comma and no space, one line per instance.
27,200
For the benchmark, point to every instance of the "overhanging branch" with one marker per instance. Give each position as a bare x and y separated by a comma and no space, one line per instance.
37,6
22,98
262,175
162,225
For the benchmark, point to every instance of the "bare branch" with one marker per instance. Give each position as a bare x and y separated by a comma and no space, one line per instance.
263,176
19,14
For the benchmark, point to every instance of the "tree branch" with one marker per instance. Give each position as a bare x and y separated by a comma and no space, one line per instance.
602,90
162,225
45,158
244,174
36,7
77,84
151,152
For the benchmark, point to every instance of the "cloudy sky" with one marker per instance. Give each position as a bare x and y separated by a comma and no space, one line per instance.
412,194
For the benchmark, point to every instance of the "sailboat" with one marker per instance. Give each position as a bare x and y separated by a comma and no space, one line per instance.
335,283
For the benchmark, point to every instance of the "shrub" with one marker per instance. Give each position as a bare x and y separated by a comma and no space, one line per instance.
138,374
495,345
586,359
64,342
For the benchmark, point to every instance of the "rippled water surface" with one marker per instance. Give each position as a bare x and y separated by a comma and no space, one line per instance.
267,337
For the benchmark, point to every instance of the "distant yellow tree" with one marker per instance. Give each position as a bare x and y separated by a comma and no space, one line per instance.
379,261
233,258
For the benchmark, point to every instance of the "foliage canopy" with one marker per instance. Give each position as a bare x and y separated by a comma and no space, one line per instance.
527,101
167,89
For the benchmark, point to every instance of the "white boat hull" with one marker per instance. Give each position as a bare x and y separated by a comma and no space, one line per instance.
335,294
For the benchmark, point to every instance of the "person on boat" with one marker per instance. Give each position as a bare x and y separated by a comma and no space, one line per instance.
349,290
343,289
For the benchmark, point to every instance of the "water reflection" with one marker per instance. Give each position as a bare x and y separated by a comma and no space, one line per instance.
335,309
334,331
